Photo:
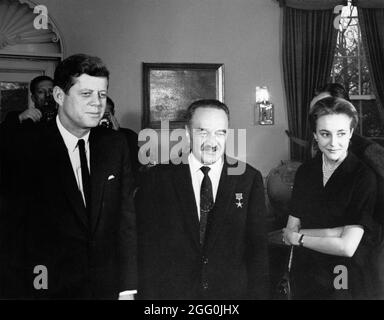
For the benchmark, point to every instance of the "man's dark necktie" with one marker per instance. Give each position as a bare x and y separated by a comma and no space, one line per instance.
84,172
206,202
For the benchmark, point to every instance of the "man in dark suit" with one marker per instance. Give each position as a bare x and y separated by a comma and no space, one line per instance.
76,225
201,229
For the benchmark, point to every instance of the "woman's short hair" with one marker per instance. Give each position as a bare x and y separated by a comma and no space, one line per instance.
332,105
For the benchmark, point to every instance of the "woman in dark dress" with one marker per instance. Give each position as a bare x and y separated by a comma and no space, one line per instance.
331,215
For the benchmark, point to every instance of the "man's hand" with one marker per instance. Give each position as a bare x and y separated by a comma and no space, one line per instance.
31,113
291,238
126,297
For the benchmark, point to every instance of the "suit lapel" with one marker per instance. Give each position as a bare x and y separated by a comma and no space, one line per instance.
63,165
186,197
99,163
222,205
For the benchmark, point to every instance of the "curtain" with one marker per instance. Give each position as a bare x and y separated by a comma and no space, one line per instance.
375,4
372,31
309,42
312,4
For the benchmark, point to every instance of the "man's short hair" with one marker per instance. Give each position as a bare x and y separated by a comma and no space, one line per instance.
335,90
34,83
206,103
76,65
333,105
112,104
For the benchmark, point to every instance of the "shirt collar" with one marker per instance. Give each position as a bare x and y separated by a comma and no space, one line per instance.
196,165
69,139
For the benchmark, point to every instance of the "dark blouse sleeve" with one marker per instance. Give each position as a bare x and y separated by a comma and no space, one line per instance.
363,199
297,194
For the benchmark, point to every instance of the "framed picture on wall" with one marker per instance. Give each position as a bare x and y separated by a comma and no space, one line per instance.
169,88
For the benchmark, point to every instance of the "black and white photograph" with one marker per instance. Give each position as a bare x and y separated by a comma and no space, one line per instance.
201,153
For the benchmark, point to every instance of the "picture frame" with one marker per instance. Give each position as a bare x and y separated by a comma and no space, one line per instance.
169,88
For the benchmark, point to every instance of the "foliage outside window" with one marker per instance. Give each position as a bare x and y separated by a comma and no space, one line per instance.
351,70
13,97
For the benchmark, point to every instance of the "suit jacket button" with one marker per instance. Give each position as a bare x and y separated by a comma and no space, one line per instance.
205,260
205,285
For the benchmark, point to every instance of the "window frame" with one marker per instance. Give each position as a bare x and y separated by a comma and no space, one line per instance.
357,99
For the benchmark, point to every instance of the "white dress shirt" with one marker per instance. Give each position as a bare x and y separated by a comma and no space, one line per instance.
70,142
197,177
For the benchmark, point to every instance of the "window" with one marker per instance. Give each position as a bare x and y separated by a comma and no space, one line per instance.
351,70
12,94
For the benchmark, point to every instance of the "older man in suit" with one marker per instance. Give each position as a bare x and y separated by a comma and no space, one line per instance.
76,224
201,231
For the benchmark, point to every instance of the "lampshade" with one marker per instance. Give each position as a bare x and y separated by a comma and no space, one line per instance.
262,94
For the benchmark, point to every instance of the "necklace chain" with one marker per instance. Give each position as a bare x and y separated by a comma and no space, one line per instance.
328,169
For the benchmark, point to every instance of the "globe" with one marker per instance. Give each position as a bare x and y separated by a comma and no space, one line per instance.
280,182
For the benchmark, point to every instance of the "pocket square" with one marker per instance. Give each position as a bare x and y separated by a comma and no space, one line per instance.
111,177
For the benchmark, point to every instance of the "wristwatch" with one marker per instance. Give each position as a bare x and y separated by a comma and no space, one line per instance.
301,242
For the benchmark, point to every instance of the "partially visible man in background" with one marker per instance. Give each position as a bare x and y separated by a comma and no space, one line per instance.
44,108
17,126
42,112
109,121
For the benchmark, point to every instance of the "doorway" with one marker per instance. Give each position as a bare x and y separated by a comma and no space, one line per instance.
15,76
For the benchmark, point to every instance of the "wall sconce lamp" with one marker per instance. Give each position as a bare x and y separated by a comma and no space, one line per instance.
264,108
